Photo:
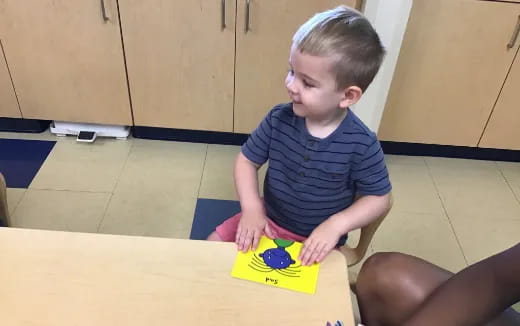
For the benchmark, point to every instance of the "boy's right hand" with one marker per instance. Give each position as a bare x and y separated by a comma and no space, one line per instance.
250,229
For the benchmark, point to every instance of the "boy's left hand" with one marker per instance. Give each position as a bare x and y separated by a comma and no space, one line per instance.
318,245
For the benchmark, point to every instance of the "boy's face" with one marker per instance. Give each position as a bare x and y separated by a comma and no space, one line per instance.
312,86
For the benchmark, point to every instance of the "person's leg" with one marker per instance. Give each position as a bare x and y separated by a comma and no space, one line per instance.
392,286
214,237
227,230
281,233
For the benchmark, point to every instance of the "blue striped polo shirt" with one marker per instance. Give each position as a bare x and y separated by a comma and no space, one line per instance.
309,179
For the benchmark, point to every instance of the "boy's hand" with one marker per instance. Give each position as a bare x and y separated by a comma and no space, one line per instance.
250,229
318,245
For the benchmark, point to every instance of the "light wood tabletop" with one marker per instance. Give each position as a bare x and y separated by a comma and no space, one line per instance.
51,278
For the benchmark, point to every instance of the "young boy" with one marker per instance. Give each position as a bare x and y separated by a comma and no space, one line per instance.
326,174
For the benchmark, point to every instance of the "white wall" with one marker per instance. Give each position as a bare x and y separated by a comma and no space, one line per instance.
389,18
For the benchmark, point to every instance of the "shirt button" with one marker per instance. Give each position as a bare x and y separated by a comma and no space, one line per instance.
302,174
306,158
310,143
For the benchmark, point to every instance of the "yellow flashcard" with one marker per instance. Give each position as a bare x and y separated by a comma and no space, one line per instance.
275,262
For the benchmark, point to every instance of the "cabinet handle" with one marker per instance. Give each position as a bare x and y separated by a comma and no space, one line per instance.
223,16
248,5
104,11
511,43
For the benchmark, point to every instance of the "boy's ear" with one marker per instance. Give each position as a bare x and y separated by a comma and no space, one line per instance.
351,95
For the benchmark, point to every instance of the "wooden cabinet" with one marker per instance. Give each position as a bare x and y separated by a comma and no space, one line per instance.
189,64
262,54
8,104
452,65
66,59
503,128
180,61
186,70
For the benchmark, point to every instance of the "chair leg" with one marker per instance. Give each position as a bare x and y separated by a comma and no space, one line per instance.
352,280
5,219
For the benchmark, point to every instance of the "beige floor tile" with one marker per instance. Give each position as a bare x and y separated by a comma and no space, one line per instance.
14,196
428,236
83,167
511,171
46,135
217,181
464,165
61,210
413,188
261,177
156,193
473,188
481,237
149,213
353,238
404,159
158,166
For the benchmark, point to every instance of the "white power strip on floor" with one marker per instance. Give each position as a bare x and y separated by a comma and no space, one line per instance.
61,128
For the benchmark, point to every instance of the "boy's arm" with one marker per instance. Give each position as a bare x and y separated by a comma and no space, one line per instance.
370,177
325,237
362,212
246,183
476,295
254,153
253,221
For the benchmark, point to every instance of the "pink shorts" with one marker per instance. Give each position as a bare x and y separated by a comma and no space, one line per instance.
227,231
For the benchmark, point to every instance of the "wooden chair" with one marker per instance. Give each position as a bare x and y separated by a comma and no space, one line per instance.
5,219
355,255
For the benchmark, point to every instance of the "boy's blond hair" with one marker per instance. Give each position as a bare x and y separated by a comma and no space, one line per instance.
345,33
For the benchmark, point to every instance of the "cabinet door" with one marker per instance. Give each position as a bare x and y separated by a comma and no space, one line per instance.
503,129
66,60
452,64
8,104
180,62
263,52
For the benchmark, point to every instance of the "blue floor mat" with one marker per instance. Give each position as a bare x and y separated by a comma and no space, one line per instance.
21,159
209,213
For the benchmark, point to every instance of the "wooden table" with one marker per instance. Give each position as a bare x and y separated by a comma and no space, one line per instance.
50,278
